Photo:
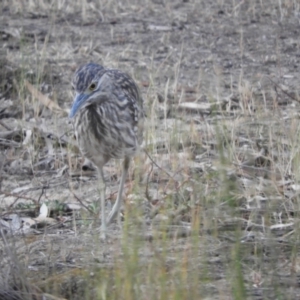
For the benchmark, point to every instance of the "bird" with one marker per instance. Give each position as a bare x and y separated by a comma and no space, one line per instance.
108,118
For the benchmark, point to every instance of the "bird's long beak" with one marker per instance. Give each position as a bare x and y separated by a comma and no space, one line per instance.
77,103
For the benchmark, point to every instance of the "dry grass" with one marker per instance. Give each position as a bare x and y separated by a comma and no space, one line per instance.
213,213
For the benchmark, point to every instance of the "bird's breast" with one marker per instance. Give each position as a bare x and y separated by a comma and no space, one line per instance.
105,132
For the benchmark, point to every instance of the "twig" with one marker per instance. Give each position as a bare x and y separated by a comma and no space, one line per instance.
41,194
86,207
5,126
157,164
44,99
285,92
18,197
172,177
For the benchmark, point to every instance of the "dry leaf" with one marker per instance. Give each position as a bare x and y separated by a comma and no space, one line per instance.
43,211
43,99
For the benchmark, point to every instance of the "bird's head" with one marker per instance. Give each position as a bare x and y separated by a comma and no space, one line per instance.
86,83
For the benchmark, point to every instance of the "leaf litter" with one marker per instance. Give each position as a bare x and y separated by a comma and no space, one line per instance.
221,133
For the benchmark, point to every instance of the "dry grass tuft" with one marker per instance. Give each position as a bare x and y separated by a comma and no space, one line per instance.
212,211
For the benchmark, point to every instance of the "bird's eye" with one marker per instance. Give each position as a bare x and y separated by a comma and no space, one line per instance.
92,87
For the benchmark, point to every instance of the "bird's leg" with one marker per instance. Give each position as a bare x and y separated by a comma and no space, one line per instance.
116,208
102,199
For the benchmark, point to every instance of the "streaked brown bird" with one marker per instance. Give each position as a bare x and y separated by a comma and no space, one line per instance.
108,116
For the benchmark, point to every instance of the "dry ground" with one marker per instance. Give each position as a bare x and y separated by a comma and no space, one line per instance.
216,215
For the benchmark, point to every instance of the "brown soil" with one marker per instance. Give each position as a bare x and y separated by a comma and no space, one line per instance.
220,83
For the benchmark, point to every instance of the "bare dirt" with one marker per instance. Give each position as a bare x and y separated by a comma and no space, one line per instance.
220,82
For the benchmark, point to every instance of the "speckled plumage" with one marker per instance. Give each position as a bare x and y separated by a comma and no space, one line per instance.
108,118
